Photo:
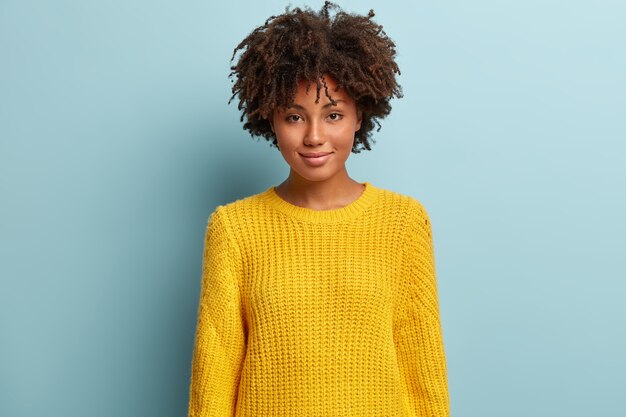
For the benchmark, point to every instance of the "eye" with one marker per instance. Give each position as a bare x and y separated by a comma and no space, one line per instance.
335,116
293,118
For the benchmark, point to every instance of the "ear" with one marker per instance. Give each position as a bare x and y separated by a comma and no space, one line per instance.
270,119
359,115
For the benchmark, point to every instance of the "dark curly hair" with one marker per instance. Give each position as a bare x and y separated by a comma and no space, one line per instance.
304,45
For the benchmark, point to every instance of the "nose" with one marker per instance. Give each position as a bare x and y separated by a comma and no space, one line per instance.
314,133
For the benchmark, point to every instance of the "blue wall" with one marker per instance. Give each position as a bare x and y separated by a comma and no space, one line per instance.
116,143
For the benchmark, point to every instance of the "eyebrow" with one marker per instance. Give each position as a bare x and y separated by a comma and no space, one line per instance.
298,106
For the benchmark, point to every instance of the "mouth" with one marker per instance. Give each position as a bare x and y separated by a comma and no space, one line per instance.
316,159
315,155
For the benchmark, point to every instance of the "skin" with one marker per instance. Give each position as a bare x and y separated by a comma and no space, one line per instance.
318,127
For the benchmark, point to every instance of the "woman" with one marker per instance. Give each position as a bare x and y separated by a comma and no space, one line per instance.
319,295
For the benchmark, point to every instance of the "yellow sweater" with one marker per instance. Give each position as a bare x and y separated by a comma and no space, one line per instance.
319,313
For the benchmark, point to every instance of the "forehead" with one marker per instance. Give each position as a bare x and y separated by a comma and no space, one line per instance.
327,84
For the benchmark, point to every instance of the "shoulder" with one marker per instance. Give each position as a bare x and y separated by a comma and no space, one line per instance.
228,215
413,215
410,206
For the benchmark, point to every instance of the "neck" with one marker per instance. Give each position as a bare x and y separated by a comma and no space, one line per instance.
337,191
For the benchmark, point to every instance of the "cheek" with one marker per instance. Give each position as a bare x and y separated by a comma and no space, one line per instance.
287,141
283,136
345,138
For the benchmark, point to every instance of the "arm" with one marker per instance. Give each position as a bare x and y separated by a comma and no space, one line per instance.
220,339
417,329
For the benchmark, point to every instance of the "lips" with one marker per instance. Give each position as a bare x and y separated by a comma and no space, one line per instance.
314,155
312,158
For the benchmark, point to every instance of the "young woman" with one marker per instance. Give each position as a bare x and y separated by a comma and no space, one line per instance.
318,295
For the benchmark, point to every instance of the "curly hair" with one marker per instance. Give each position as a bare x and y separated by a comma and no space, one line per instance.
303,45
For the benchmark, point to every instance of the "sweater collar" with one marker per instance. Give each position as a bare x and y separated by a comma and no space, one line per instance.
345,213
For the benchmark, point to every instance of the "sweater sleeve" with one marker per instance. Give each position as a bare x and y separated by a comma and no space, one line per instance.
220,338
417,329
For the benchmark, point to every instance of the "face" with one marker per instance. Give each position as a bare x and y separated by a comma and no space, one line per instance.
308,128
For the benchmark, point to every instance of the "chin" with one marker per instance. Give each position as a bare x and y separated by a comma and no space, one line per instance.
319,176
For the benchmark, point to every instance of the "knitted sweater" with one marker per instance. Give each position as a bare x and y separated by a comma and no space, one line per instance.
319,313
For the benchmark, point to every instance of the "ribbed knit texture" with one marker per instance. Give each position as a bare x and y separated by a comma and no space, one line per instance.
319,313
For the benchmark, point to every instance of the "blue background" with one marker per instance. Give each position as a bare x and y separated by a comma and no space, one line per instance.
116,143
